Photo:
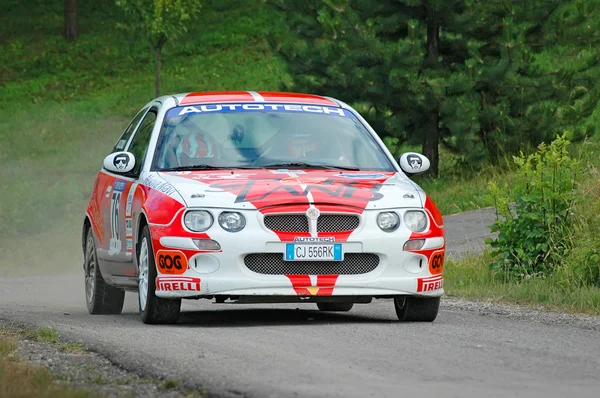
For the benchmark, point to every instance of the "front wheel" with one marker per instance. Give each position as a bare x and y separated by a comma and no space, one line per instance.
99,296
417,309
154,310
341,307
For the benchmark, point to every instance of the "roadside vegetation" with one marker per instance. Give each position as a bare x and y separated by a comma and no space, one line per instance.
37,363
472,279
548,224
20,379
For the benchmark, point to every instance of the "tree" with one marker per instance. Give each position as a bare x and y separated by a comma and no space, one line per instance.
475,76
387,56
160,21
71,25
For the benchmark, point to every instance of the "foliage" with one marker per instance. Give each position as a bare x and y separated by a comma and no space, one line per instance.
536,215
160,21
471,278
584,260
483,78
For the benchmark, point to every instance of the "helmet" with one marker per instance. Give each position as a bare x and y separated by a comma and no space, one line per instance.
194,147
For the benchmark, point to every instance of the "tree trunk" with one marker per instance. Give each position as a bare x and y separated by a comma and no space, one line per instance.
431,141
158,59
71,27
432,134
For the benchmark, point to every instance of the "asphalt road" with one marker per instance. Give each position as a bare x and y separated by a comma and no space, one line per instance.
279,350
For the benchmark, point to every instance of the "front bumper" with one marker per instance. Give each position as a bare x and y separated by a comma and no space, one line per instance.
226,272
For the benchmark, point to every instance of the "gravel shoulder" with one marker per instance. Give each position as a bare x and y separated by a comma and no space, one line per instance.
78,367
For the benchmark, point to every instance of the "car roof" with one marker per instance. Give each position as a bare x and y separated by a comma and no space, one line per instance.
252,96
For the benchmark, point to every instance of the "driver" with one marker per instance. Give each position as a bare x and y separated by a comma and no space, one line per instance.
191,147
302,145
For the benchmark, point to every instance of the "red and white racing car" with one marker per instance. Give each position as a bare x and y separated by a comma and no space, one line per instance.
259,197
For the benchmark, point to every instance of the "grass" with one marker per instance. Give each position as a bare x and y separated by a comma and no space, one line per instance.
74,348
472,279
455,194
43,335
21,380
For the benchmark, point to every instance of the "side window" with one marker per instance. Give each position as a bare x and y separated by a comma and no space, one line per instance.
140,141
120,146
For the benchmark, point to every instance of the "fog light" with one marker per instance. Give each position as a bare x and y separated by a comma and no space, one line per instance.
415,244
207,244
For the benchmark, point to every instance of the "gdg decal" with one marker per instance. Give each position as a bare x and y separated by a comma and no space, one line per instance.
436,262
171,262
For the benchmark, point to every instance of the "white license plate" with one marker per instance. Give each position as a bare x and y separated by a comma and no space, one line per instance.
302,252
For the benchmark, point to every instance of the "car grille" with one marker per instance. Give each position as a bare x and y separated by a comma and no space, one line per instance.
274,264
299,223
337,223
287,223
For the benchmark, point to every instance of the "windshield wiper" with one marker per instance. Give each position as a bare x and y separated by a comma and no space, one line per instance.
304,165
195,167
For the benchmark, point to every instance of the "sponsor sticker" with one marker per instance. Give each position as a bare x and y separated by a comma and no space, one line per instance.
119,186
305,239
430,284
175,284
130,199
436,262
171,262
160,185
128,227
229,108
108,190
114,246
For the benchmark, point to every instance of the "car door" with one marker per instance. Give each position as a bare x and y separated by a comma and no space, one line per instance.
101,193
116,256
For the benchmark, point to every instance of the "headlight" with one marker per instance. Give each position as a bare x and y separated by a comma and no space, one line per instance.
232,222
416,221
388,221
198,220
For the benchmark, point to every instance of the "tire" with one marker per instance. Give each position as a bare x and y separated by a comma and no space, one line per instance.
416,309
341,307
100,297
154,310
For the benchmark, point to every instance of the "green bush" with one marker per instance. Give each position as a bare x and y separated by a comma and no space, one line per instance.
536,221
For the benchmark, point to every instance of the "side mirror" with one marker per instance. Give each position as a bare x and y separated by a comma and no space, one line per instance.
119,162
413,163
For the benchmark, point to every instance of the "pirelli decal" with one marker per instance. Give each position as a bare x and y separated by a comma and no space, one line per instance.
430,284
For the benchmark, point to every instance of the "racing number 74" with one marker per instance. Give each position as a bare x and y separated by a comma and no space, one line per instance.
115,240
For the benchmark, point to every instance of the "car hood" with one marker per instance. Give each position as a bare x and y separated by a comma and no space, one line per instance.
260,188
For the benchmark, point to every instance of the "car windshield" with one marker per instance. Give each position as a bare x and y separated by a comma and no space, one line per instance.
263,136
